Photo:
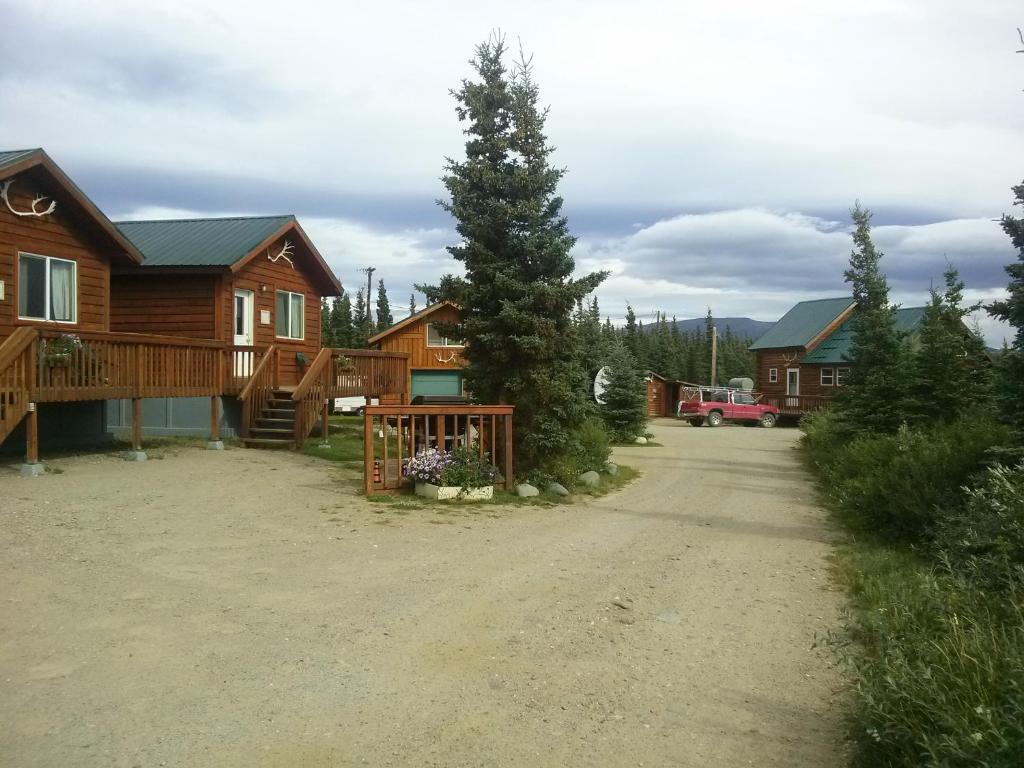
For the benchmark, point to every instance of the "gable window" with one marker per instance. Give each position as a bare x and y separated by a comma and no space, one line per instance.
842,374
47,288
435,339
828,377
291,311
773,375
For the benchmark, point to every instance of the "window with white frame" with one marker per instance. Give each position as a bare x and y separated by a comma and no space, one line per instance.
47,288
842,375
291,313
773,375
435,339
828,377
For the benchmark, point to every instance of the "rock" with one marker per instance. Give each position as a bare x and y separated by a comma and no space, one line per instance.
590,479
641,440
525,490
611,468
557,488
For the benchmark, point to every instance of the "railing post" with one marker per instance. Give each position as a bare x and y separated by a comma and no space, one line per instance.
32,466
367,453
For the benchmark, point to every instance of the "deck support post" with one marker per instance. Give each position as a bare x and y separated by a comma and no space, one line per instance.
509,482
32,467
136,453
215,443
325,429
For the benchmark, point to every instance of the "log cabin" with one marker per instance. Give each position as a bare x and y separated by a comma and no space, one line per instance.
803,359
661,395
435,361
209,310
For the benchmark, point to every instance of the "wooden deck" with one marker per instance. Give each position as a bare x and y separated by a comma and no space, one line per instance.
47,366
796,405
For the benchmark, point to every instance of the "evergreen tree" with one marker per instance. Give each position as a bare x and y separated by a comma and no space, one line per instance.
341,321
412,303
632,336
384,318
1011,310
518,294
951,366
361,322
876,397
625,396
326,331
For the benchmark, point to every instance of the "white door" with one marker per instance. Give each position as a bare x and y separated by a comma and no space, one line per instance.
793,386
243,318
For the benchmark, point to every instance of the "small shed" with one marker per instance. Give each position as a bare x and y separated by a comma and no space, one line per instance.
660,395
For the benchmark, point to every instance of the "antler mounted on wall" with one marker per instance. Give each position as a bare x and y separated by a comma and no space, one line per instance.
788,360
285,253
35,203
449,359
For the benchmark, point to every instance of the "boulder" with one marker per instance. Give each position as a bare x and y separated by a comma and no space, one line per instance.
525,490
557,488
590,479
611,468
641,440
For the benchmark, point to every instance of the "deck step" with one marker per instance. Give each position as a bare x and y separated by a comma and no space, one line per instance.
272,423
277,413
271,431
281,402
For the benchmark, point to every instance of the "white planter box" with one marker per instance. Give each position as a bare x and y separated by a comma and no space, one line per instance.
449,492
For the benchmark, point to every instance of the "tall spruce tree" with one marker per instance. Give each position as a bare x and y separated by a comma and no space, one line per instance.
384,318
1011,310
326,331
362,323
625,395
412,303
952,370
518,293
341,321
876,398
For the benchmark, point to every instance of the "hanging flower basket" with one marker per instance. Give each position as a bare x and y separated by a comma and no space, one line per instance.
57,351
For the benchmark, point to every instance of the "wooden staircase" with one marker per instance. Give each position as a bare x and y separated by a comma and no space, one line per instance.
274,426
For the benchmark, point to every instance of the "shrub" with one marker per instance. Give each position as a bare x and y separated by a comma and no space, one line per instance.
938,664
983,538
893,484
589,450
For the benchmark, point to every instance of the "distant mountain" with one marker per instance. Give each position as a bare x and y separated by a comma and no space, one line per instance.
743,327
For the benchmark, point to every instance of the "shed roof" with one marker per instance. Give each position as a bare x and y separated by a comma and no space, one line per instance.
799,326
410,320
218,242
835,348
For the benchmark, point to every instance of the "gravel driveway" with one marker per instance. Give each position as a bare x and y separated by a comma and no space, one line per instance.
245,608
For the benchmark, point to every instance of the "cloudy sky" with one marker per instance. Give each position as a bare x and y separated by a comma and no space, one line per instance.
713,150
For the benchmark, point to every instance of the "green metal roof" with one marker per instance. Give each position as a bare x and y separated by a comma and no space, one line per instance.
10,157
836,346
802,323
200,242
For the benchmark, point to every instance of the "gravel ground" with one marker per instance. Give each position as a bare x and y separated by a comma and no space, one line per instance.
245,608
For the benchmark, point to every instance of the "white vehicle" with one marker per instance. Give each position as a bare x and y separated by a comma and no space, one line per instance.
352,404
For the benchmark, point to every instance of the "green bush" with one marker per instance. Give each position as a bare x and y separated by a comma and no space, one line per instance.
589,450
983,538
893,484
938,666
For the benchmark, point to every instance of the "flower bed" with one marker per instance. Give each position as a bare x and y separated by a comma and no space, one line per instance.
457,474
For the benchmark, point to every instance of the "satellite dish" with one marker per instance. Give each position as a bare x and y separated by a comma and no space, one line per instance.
600,384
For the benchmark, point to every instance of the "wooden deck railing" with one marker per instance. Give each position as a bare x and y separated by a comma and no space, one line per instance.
795,405
393,434
346,373
259,389
239,364
16,371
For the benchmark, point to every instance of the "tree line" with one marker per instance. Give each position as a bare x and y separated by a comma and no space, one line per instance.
349,326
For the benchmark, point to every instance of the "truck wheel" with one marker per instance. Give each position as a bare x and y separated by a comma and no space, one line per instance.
768,420
714,419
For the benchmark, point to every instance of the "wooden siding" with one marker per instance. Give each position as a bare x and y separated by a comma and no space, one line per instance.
279,275
173,305
659,396
65,234
413,340
810,375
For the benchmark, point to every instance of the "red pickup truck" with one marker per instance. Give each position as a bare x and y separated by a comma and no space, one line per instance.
712,406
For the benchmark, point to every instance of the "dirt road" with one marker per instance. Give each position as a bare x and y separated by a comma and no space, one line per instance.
243,609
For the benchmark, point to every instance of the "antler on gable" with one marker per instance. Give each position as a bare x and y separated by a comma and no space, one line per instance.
285,253
35,202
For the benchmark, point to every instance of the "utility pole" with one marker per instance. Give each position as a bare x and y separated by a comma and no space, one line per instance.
369,303
714,356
